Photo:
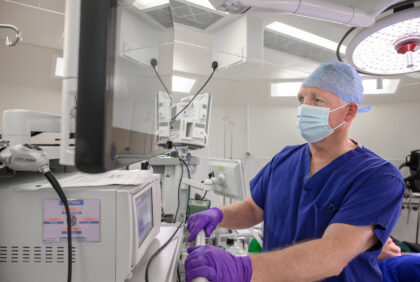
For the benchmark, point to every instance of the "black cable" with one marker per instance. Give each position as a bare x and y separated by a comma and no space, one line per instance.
337,52
158,251
179,192
154,63
56,185
177,273
400,4
214,65
189,187
202,198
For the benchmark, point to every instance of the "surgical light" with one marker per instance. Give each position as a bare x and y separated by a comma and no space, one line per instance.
182,84
146,4
285,89
304,35
389,47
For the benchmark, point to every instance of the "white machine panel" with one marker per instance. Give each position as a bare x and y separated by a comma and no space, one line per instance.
27,250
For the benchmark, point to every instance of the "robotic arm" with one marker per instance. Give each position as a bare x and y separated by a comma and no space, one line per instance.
23,158
318,9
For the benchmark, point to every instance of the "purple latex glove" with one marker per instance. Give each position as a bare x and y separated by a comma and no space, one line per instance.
216,265
206,220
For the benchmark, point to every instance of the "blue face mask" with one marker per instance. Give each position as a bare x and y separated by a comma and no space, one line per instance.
313,124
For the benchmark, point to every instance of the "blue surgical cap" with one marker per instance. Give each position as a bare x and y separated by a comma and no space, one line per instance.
340,79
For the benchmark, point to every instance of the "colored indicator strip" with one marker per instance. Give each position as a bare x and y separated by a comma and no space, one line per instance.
53,222
72,229
89,222
71,209
74,203
73,232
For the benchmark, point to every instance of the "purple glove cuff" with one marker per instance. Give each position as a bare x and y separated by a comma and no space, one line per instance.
215,264
247,267
220,213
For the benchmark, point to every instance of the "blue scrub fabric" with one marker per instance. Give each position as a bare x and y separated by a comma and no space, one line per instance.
404,268
357,188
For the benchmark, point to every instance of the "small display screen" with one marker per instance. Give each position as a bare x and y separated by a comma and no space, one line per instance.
144,211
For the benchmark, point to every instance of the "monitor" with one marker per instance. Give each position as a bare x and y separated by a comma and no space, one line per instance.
117,86
144,212
191,127
146,208
228,178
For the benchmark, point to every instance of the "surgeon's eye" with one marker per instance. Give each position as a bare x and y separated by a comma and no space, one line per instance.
318,101
300,99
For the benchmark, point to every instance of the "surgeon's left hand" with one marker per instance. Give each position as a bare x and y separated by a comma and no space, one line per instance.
216,265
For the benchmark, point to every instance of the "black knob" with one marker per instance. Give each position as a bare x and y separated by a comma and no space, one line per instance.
153,62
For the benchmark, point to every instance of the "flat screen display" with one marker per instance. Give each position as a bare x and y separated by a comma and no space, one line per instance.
144,216
117,87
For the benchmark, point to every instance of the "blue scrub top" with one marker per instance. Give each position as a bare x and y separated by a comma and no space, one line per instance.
404,268
357,188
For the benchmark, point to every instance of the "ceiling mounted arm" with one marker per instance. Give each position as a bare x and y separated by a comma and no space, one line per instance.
18,38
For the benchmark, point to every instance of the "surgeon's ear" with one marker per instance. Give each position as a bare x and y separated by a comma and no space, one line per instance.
351,113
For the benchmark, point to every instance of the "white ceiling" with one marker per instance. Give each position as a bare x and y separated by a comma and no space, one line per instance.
42,24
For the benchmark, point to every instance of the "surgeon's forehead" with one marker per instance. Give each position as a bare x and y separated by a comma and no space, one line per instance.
313,92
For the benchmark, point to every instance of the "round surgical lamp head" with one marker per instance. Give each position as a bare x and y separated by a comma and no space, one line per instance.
390,46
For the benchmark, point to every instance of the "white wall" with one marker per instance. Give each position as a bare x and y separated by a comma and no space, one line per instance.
391,129
27,81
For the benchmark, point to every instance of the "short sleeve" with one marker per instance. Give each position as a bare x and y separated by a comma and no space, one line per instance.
375,200
259,183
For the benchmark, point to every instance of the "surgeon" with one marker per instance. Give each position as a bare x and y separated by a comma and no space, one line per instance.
328,205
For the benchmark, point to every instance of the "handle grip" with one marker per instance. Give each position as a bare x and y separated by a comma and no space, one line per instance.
200,240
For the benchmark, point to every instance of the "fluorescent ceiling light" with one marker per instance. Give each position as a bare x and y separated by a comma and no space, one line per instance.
206,4
305,36
59,67
285,89
389,86
182,84
146,4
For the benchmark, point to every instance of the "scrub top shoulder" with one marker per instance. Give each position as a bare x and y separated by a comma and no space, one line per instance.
357,188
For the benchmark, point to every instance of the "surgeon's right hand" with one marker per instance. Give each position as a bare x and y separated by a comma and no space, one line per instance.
206,220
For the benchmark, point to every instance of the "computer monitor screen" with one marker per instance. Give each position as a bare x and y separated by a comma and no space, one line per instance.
228,177
144,210
117,86
191,126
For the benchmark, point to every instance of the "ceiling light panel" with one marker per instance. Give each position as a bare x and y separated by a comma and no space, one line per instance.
59,67
285,89
202,3
182,84
146,4
305,36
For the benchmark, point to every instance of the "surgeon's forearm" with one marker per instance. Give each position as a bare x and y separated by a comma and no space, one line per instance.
241,215
309,261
